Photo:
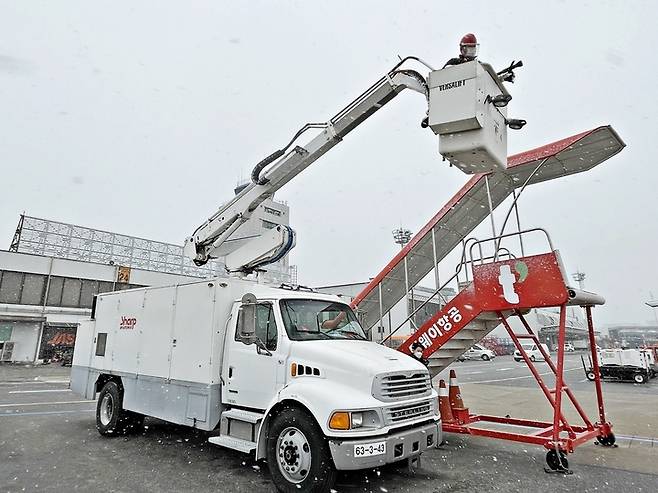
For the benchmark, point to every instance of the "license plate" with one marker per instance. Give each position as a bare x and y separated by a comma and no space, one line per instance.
368,449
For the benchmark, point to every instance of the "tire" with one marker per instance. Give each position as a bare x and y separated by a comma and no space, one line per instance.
608,440
532,358
517,360
485,357
111,418
298,453
640,378
590,376
557,462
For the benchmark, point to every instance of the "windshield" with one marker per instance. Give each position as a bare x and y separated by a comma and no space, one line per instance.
314,319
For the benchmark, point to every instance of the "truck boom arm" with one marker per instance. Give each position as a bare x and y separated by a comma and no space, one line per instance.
287,163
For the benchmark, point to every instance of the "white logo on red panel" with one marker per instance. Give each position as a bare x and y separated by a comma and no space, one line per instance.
507,280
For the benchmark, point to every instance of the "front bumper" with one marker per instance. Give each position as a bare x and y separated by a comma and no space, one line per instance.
399,446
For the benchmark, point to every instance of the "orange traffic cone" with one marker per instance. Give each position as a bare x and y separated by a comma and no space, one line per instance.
455,394
459,411
444,403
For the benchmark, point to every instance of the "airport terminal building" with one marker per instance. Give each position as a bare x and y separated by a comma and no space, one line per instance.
52,271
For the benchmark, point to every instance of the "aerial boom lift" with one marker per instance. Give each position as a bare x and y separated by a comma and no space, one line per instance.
475,142
286,163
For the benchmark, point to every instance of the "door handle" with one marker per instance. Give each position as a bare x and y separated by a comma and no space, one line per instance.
230,371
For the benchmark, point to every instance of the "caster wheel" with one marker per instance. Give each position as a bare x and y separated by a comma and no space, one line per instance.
557,461
608,440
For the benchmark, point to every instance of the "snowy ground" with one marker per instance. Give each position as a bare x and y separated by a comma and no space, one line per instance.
48,441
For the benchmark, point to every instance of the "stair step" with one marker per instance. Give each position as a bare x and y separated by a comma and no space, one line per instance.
233,443
449,352
242,415
457,344
466,336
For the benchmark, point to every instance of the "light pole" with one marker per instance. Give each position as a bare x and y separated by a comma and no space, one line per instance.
653,303
401,236
580,278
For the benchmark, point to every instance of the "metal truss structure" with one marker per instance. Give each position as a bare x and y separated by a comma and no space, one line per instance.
62,240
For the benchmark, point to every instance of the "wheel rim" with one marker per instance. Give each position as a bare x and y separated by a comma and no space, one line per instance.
107,409
293,455
639,378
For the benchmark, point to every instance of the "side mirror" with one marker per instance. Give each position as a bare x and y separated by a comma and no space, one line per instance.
247,319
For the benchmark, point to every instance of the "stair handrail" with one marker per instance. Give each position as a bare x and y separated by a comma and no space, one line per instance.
500,237
437,291
496,256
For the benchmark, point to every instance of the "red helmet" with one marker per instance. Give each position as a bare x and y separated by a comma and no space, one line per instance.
468,46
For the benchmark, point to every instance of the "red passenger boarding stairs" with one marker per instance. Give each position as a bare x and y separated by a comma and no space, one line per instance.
500,286
511,287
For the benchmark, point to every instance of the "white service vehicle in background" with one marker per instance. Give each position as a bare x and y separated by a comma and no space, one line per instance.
634,365
533,352
287,374
479,352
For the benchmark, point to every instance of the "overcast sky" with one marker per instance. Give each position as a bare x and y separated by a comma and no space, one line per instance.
140,117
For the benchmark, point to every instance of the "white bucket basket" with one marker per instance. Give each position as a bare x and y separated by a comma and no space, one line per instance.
472,131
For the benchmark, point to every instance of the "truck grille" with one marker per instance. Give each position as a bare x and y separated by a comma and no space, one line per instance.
406,412
401,385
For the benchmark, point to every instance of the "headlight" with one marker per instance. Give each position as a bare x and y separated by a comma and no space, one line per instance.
357,420
352,420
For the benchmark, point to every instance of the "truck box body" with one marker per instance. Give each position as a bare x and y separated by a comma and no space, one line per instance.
167,337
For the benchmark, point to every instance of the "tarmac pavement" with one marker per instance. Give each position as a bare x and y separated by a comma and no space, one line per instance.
48,441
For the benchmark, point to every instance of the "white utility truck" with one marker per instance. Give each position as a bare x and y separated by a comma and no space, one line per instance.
286,373
310,395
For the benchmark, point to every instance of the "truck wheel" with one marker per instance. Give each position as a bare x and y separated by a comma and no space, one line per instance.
298,454
639,378
111,419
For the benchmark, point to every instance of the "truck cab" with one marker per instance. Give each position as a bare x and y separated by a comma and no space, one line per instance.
287,374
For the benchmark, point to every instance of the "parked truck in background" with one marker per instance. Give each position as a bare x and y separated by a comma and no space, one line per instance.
286,374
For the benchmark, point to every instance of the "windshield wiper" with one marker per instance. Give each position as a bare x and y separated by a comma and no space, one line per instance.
344,332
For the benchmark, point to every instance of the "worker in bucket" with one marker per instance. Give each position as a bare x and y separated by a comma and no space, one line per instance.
468,50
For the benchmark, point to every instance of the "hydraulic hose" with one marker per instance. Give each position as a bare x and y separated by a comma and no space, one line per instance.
255,173
258,169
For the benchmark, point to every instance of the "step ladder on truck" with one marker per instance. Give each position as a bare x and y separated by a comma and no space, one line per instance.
496,287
